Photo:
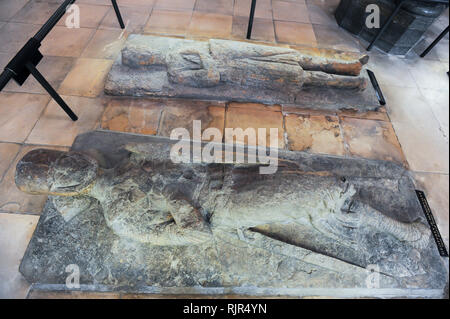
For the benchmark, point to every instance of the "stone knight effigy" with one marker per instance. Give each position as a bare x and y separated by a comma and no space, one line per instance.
239,71
131,218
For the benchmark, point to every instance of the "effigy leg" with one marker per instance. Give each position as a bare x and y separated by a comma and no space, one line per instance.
320,79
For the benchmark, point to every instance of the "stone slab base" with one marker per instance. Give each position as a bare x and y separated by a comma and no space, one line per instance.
377,257
242,72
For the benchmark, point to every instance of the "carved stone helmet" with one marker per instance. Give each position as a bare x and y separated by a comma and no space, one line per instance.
56,173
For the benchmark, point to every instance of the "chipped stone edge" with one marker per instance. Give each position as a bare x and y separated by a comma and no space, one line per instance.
255,291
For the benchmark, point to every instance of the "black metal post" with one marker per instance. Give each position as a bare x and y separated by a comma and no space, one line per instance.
42,81
119,16
432,45
386,25
5,77
48,26
376,87
250,19
25,61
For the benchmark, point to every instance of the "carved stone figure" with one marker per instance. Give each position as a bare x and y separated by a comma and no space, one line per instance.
339,215
222,69
151,200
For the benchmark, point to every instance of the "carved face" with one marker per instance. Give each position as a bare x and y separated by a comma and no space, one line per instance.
56,173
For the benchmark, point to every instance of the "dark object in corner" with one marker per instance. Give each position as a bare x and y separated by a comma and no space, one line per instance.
402,22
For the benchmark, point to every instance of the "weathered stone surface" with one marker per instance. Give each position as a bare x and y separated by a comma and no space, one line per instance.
55,173
319,222
239,71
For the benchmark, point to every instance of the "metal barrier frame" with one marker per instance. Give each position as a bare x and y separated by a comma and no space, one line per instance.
24,63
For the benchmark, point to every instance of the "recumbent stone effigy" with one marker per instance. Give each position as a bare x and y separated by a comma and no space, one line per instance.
142,220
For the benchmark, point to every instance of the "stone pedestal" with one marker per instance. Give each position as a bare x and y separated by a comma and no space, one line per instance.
324,225
404,32
241,71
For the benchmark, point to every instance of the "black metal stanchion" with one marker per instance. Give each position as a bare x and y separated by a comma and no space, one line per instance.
394,14
25,61
119,16
250,19
432,45
38,76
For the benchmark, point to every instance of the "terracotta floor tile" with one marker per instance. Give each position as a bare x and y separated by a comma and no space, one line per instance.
321,12
336,38
182,113
53,68
98,2
436,188
11,198
380,115
87,78
217,6
56,128
135,3
290,11
210,25
426,150
139,116
295,33
15,234
19,113
4,59
316,134
134,19
90,15
168,22
16,35
305,111
255,106
262,30
244,118
63,41
263,8
35,12
9,8
105,44
180,5
8,152
372,139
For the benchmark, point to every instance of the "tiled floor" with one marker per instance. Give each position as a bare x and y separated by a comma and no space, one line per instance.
413,130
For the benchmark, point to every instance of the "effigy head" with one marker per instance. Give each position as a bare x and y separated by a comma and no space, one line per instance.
52,172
